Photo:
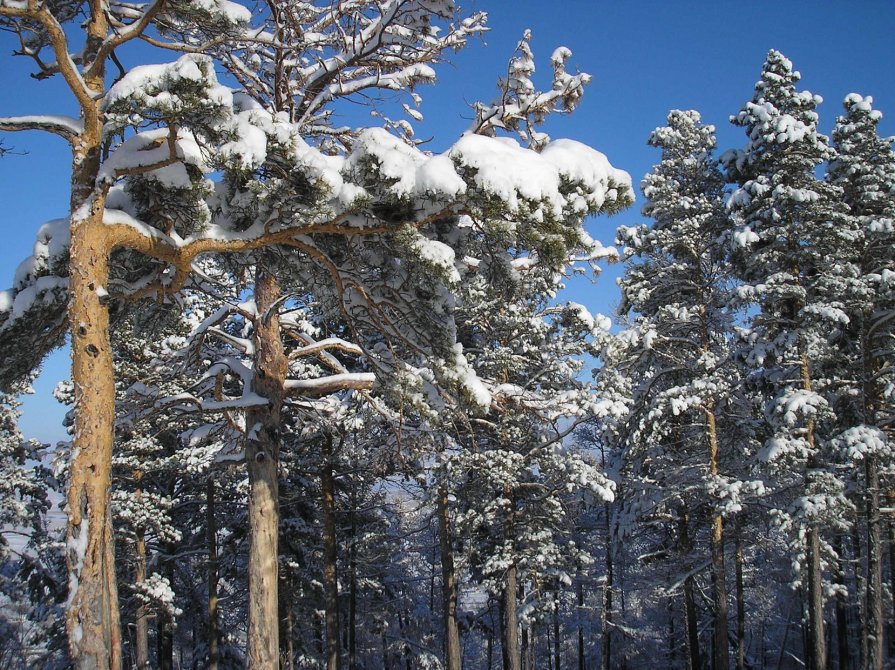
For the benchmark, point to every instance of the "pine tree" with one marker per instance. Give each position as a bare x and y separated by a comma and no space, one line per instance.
858,278
787,220
677,287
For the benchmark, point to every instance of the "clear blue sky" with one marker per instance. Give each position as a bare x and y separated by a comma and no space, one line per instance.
646,57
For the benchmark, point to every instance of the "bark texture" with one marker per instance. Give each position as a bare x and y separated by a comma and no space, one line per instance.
262,459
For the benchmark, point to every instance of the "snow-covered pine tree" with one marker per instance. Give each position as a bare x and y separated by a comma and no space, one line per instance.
788,221
384,188
676,289
859,280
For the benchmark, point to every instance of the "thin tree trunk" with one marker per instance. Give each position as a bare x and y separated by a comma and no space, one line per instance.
452,659
720,646
874,630
512,658
557,647
352,587
741,600
841,610
211,534
608,585
580,594
891,529
527,643
330,557
287,621
860,589
141,623
164,632
689,597
262,458
817,657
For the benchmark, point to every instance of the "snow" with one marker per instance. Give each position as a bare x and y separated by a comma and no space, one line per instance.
332,383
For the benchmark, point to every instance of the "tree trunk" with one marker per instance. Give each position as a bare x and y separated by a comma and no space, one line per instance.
93,619
690,616
860,589
720,647
557,646
608,585
817,653
287,621
352,588
816,643
330,557
141,624
580,594
262,458
452,659
841,610
890,497
211,532
741,600
874,630
512,658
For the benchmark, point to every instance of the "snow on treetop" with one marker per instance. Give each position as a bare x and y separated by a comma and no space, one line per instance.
167,91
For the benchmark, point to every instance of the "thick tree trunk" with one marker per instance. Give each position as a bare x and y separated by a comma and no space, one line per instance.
452,659
330,558
512,657
741,600
211,533
262,459
93,621
720,646
874,630
693,656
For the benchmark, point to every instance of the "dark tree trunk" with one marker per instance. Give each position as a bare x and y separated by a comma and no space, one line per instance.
557,646
693,656
352,589
330,574
860,589
211,530
874,628
842,647
741,600
452,659
512,658
817,657
287,621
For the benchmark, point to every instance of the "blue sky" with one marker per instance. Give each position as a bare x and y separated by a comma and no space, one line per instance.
646,58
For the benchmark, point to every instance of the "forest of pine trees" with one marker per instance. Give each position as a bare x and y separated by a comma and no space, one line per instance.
329,407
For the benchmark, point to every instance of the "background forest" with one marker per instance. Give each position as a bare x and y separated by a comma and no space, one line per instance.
331,406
